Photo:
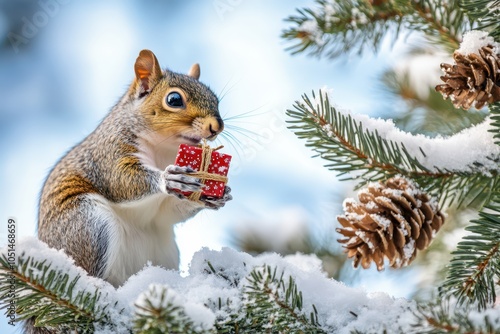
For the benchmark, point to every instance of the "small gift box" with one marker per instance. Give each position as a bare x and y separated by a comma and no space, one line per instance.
211,166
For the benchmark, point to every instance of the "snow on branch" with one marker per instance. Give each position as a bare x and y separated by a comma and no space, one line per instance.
227,287
470,150
50,287
334,28
209,299
218,279
474,40
486,12
462,169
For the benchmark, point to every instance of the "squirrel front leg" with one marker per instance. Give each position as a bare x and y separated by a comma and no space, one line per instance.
177,180
133,180
215,202
172,181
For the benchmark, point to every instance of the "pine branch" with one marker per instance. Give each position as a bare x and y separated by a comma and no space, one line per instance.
475,266
495,117
48,295
445,316
264,302
271,302
487,14
441,21
361,154
157,313
476,263
337,27
221,272
346,144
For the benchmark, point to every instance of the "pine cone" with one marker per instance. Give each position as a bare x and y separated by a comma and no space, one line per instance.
393,219
474,79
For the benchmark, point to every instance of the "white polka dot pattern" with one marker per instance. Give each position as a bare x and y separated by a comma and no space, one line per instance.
190,156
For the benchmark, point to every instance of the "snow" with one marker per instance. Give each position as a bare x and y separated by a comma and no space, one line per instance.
154,297
457,153
475,40
381,220
493,316
359,17
198,293
409,248
328,12
404,230
328,128
160,296
348,202
31,247
312,30
341,309
494,6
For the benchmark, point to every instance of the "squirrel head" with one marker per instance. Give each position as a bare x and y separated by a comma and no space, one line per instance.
176,106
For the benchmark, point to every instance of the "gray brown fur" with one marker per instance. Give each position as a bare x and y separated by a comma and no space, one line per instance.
105,166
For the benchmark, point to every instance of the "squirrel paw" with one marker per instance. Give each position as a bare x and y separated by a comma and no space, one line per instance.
216,202
177,179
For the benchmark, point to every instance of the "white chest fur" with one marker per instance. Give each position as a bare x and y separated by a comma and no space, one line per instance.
142,231
155,151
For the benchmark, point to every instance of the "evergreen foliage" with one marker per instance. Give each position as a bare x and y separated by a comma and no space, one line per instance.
48,296
495,117
448,317
272,303
475,268
336,21
158,314
365,156
268,300
335,28
486,12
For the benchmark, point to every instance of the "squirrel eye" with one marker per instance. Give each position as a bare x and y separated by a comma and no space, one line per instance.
174,100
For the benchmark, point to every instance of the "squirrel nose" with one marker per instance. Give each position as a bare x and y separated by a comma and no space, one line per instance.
215,126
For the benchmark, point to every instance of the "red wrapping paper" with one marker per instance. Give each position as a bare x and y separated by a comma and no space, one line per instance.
190,156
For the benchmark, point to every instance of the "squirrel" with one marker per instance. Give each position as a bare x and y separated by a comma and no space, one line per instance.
112,201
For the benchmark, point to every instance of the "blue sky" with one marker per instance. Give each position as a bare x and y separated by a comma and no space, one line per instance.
61,83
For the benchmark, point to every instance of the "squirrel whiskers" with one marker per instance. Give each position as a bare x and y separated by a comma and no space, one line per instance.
112,201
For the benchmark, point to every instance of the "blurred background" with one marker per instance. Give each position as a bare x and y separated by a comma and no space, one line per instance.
63,65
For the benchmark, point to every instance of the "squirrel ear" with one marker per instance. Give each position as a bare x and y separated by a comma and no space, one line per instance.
194,71
147,70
